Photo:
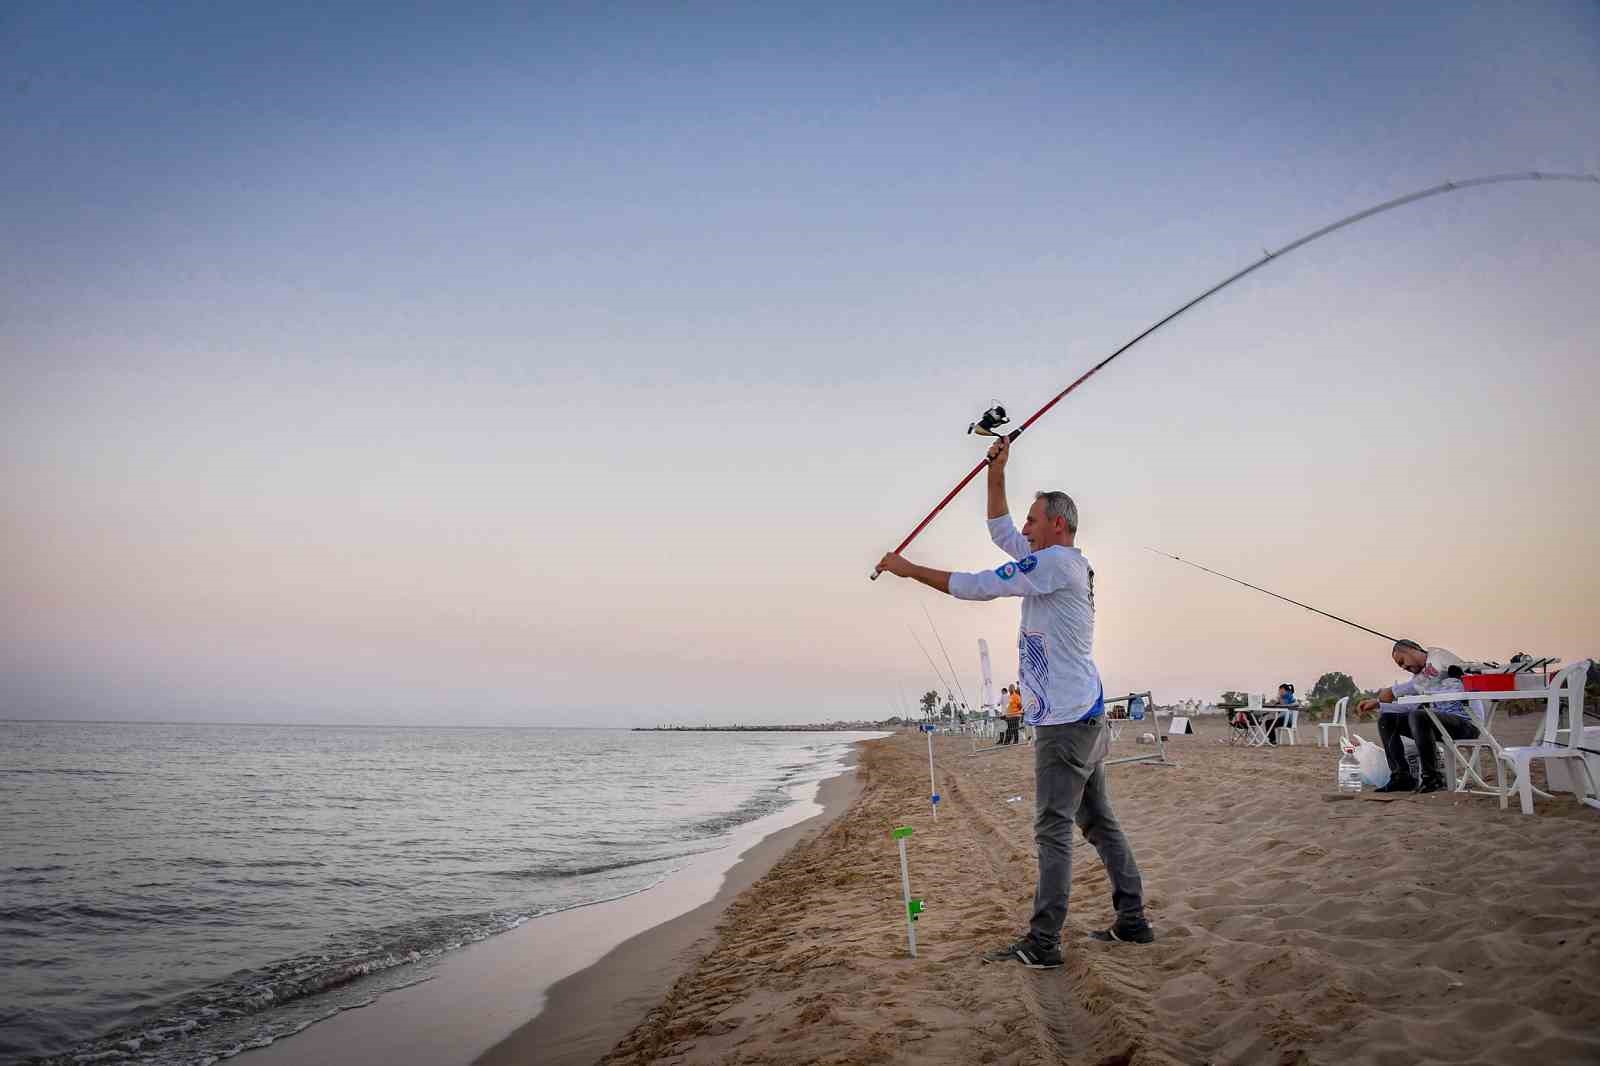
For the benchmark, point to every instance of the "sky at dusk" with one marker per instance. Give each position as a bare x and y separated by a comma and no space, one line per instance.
573,365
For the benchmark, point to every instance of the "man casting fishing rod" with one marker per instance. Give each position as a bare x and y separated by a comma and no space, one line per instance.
1064,701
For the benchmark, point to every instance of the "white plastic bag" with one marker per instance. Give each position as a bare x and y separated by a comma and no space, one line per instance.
1374,765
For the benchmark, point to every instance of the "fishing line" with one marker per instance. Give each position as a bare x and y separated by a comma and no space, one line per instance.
1587,713
953,672
1387,205
936,673
1274,595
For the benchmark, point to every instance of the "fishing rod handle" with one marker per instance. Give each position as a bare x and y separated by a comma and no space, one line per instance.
1010,438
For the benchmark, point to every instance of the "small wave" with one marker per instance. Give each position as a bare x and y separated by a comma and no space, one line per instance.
49,913
198,862
253,991
555,873
72,770
356,882
763,803
619,842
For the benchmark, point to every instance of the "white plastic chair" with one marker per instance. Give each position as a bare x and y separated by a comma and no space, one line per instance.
1568,686
1286,723
1336,722
1460,757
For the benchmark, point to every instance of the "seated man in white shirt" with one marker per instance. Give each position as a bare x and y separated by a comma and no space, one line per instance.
1433,670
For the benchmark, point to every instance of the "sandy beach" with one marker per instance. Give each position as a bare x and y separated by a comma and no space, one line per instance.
1295,925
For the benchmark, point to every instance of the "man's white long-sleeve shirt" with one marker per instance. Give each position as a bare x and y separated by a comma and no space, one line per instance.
1435,676
1055,643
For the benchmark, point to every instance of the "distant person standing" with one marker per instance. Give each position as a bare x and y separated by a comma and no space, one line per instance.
1064,702
1013,716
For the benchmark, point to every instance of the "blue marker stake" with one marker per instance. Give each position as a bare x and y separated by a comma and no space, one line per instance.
933,787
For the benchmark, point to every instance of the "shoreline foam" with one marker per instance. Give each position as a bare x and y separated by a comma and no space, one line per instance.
488,992
588,1012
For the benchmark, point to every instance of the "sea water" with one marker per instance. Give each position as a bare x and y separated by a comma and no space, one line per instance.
178,893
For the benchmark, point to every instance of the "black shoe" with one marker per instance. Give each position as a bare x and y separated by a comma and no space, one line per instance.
1028,953
1399,783
1126,933
1432,783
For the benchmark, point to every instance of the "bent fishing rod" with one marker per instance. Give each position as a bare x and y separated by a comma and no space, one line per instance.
1274,595
996,416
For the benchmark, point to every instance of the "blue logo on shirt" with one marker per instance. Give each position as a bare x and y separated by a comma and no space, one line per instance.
1006,572
1035,670
1026,565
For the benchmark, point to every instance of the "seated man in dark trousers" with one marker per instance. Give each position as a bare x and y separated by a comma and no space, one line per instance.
1433,670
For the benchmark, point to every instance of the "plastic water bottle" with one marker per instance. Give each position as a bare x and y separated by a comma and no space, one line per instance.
1349,772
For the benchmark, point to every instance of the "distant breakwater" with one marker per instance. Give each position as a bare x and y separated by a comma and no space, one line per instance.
831,727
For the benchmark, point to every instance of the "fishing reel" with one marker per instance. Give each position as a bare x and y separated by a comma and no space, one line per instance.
989,421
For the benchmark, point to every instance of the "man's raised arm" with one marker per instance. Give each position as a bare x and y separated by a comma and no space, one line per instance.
999,452
1002,530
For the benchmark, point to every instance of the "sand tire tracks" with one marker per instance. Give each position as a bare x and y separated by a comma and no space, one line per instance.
1097,1008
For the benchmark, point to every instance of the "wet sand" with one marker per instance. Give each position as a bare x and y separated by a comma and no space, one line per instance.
587,1013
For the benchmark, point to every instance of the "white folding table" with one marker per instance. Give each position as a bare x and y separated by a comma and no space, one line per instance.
1261,721
1463,769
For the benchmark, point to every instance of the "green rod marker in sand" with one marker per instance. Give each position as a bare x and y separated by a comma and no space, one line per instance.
913,906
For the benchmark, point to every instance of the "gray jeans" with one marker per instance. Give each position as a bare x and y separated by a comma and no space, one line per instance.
1070,787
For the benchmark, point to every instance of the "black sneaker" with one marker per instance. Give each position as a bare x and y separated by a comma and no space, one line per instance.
1432,783
1399,783
1125,933
1028,953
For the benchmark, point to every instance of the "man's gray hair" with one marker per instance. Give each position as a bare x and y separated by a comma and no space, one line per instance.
1059,505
